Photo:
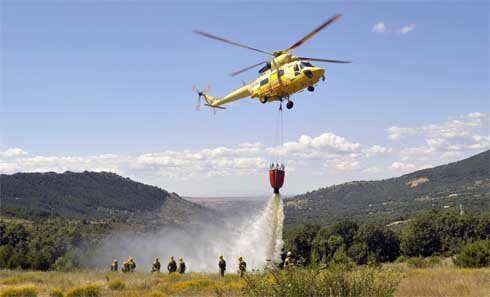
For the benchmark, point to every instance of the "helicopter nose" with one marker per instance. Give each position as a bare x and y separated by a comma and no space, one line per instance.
317,72
314,73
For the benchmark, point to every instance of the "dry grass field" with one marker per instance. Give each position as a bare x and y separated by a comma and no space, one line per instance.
445,282
429,282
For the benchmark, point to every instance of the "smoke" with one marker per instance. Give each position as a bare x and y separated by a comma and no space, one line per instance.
258,239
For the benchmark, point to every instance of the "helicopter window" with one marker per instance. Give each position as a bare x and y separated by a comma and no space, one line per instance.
264,81
306,64
280,72
296,67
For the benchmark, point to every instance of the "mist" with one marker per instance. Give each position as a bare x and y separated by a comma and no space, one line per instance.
257,238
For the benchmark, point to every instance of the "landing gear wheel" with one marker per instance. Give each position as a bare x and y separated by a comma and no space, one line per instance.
311,88
263,100
290,104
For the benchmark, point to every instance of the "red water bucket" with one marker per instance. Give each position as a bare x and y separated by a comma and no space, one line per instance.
276,177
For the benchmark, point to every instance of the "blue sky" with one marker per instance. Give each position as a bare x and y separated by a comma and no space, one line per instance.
93,85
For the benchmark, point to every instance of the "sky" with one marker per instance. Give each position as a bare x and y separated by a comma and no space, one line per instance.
107,86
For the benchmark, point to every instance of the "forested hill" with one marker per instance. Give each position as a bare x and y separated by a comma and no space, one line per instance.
465,182
92,195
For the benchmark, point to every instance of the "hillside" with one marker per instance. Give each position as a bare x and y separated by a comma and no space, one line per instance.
465,182
94,195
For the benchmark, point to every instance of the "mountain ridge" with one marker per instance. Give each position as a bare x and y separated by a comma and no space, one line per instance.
96,196
463,182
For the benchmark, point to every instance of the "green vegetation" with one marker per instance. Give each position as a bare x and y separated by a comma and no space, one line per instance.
337,281
428,234
117,285
93,196
466,182
56,293
89,290
27,291
50,244
87,195
428,282
475,254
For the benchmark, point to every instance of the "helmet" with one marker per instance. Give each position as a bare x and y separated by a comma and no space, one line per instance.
221,257
181,260
156,259
289,253
171,257
240,258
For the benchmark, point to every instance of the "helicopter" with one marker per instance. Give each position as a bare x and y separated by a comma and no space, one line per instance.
281,76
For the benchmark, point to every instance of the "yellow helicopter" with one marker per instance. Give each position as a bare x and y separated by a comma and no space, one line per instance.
281,76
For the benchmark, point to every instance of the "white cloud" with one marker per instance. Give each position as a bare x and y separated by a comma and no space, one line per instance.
376,150
310,160
371,170
446,141
243,159
407,29
402,166
325,146
379,27
12,153
347,165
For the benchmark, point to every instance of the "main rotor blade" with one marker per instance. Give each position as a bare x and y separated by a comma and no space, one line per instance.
230,42
324,60
245,69
312,33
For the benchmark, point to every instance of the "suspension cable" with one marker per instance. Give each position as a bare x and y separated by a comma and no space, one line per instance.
279,136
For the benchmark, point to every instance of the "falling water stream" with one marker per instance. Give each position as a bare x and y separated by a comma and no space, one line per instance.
256,237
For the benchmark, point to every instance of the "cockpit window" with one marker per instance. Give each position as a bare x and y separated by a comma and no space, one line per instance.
296,67
306,64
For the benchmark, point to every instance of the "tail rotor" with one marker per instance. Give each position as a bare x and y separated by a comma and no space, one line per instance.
199,95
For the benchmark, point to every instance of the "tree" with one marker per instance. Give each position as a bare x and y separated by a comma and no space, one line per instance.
299,240
421,238
475,255
346,230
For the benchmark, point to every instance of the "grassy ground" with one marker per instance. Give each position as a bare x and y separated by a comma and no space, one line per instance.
445,282
429,282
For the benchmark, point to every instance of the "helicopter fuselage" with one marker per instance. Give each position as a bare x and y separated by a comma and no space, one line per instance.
284,78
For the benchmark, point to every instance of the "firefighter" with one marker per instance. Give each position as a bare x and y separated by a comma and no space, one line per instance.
222,266
289,260
114,265
125,267
242,266
132,264
172,266
181,268
156,266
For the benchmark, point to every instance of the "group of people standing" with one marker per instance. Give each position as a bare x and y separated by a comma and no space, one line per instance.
130,265
242,266
172,267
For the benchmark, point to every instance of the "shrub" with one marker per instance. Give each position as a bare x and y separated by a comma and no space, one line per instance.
336,281
19,292
417,262
117,285
474,255
84,291
56,293
155,294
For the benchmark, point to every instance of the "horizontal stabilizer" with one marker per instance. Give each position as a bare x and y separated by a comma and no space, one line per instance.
220,107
